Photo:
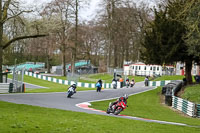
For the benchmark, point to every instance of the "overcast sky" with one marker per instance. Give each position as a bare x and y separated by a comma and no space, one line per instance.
85,14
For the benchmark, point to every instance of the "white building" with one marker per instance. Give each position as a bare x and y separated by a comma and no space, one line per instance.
141,69
180,69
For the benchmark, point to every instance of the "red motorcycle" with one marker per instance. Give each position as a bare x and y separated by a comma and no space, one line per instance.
117,108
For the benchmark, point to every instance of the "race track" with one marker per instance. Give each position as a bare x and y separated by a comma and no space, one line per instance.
79,101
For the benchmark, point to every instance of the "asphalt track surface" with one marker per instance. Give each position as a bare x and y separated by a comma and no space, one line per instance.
80,101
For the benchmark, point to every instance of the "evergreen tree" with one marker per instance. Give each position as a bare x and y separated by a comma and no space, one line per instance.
165,40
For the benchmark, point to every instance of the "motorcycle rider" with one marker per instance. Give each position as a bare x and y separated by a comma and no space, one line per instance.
99,85
122,98
73,87
132,82
127,82
114,83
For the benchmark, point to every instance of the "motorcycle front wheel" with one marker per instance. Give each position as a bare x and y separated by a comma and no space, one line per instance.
108,111
69,95
117,111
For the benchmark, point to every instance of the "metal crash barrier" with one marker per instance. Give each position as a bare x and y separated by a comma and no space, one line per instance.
170,91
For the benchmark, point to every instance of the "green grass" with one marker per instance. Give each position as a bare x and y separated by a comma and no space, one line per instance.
137,78
16,118
147,105
105,77
108,78
79,80
192,93
60,77
24,118
174,77
51,87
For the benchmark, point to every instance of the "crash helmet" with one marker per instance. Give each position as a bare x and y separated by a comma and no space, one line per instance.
126,96
74,85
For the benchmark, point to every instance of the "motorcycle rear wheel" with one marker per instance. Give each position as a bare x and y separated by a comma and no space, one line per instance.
117,111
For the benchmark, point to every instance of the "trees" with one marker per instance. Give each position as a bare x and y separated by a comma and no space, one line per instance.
8,12
123,24
74,49
165,41
112,39
65,14
191,11
59,12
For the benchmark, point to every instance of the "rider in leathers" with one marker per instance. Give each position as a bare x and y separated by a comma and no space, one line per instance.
73,87
122,98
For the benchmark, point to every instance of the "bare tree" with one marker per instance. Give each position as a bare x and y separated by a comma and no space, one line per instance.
77,5
61,12
8,11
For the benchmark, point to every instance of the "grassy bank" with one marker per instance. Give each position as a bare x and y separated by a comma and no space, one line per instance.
192,93
172,77
50,86
15,118
105,77
148,105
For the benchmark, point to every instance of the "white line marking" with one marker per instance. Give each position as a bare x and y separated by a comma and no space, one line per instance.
118,97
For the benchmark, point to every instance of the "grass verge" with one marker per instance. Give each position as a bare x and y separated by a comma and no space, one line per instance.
51,87
105,77
173,77
192,93
17,118
148,105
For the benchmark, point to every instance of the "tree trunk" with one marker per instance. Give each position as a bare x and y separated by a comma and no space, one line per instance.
1,50
109,52
64,61
76,40
48,64
123,57
1,43
1,64
127,51
115,56
73,61
188,69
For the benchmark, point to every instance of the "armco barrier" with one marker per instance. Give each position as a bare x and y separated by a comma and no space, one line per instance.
4,87
66,82
158,83
198,110
183,105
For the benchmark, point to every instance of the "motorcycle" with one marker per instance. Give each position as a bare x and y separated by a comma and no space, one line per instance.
70,92
127,84
114,83
132,83
117,108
